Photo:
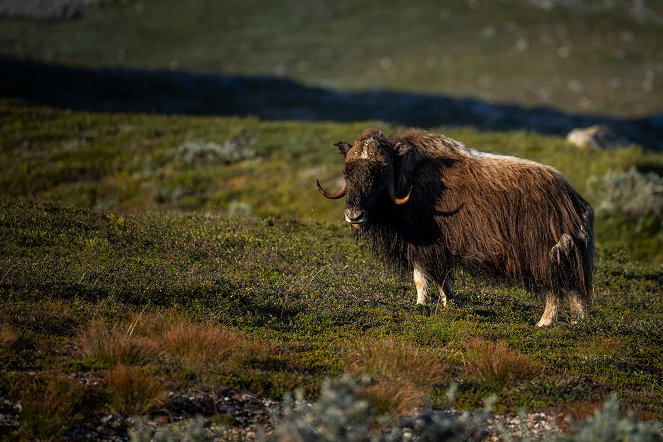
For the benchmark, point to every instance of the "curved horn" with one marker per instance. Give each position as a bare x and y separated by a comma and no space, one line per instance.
396,200
392,191
333,196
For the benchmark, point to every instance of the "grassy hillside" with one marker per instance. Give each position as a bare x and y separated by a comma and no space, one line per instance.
247,166
589,57
263,305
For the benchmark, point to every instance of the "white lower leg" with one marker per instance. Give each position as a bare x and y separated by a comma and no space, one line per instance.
550,312
421,283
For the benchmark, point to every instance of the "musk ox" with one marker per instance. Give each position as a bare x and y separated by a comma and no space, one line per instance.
430,205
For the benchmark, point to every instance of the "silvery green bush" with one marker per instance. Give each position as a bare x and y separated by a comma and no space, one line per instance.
197,153
608,424
340,414
197,430
631,195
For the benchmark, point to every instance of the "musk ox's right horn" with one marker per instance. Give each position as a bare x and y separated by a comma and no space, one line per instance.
333,196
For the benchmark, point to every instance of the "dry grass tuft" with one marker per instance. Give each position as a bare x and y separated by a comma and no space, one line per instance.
133,390
49,406
195,346
496,364
112,345
8,337
401,373
150,324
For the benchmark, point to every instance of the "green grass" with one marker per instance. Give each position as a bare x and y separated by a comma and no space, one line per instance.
588,58
105,223
311,291
132,163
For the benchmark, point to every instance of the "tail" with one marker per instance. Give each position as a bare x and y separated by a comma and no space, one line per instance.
576,253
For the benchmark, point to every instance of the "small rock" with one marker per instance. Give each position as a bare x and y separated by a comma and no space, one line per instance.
596,137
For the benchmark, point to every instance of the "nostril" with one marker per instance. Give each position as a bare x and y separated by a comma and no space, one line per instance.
352,215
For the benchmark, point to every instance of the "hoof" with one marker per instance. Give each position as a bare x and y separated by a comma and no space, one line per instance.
542,323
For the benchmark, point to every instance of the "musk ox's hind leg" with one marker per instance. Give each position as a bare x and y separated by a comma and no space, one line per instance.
550,312
572,260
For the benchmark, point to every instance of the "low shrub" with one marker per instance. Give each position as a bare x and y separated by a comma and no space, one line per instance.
339,414
342,414
629,195
8,337
608,424
199,153
495,364
196,430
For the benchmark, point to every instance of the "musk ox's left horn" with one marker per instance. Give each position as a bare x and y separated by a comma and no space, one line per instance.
333,196
392,191
399,201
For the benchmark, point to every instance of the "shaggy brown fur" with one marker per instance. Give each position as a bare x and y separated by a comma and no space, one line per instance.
484,213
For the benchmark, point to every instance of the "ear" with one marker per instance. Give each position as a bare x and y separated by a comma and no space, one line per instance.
401,149
343,147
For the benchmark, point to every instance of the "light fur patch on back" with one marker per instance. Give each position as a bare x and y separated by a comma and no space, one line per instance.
492,156
479,154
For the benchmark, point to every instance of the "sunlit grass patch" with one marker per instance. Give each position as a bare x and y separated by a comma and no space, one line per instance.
495,364
111,345
133,390
402,374
195,346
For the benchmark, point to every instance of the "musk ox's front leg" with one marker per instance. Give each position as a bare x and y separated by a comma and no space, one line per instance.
550,312
421,283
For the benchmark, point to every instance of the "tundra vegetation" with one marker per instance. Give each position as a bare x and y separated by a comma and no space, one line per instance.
127,283
177,276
